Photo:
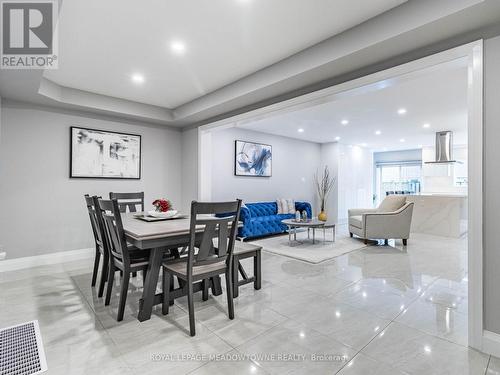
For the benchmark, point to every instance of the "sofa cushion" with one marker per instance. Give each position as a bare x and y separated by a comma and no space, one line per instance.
392,203
356,221
263,209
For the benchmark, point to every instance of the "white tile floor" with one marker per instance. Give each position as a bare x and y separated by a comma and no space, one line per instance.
378,310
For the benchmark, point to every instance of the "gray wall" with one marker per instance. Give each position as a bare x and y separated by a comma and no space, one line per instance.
395,156
189,168
491,184
42,208
294,164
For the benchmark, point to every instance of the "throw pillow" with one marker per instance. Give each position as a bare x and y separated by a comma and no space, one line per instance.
290,206
279,203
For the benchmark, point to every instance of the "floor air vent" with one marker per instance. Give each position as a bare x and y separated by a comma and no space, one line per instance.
21,350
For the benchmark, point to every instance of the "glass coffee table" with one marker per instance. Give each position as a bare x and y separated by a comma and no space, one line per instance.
313,224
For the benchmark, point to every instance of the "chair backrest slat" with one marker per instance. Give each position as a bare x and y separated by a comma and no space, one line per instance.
115,235
130,201
89,201
222,228
206,245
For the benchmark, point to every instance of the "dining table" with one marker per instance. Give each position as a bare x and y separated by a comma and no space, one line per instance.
160,238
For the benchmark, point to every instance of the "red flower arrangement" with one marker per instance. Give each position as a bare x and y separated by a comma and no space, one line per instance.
162,205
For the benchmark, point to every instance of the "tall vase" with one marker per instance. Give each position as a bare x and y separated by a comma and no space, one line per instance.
322,215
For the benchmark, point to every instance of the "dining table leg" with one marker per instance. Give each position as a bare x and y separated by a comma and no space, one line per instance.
149,290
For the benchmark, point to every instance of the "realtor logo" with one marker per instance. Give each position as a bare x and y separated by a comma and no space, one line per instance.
28,40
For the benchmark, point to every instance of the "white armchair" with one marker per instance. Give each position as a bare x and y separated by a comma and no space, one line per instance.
392,219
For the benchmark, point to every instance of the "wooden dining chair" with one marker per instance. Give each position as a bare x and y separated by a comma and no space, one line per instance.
130,201
100,246
200,266
123,256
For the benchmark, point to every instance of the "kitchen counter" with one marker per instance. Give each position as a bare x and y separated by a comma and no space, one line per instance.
441,214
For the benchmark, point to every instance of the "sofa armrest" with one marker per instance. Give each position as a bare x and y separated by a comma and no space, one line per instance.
245,214
360,211
304,206
395,224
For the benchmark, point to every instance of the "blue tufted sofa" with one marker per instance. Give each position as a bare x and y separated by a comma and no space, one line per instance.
260,219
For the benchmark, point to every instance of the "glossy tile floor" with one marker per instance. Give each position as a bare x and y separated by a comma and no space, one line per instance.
378,310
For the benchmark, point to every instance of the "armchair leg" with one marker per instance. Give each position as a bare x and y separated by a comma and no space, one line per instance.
386,242
365,241
351,234
405,241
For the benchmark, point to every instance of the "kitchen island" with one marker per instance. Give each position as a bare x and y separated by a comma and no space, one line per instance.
441,214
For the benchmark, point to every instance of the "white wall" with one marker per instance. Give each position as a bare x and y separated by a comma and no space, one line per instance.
294,164
491,184
440,178
355,179
43,210
330,158
189,172
352,167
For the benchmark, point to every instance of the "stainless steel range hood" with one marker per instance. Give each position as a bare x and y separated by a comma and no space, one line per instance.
444,148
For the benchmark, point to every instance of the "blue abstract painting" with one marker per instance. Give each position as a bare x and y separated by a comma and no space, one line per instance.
253,159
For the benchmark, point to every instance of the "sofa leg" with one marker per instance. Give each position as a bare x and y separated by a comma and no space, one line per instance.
386,242
405,241
365,241
351,234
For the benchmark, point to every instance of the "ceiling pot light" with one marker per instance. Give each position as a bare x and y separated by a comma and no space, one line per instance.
401,111
402,140
344,122
300,130
426,125
137,78
337,138
378,132
178,47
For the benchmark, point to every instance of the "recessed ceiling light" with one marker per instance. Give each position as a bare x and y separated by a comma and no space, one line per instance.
378,132
401,111
178,47
363,145
426,125
137,78
337,138
300,130
402,140
344,122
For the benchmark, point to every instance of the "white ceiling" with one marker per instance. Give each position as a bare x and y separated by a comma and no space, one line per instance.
104,43
438,97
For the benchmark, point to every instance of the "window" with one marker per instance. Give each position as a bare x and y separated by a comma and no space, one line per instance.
397,178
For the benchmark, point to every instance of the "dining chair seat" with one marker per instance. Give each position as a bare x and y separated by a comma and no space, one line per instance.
179,269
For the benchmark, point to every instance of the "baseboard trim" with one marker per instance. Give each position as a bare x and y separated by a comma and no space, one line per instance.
491,343
46,259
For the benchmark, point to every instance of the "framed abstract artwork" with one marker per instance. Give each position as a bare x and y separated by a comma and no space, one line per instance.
253,159
104,154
